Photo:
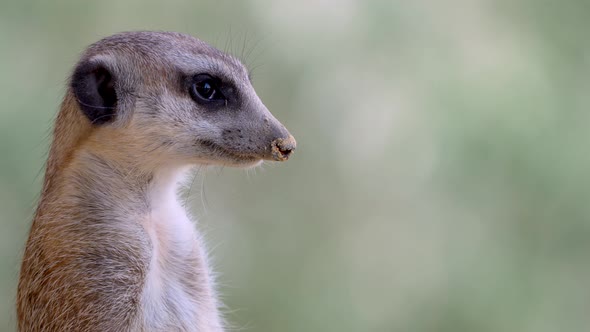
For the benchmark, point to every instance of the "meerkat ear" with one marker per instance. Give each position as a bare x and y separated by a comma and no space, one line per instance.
93,85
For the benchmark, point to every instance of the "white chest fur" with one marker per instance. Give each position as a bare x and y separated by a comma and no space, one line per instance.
178,292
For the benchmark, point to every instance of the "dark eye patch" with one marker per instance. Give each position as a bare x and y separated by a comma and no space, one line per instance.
210,90
207,89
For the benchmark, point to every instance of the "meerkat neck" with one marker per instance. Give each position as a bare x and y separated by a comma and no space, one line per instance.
115,197
77,156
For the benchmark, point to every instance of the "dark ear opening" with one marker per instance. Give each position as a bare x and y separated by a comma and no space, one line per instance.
94,88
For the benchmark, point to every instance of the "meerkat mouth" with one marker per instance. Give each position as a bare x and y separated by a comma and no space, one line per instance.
224,152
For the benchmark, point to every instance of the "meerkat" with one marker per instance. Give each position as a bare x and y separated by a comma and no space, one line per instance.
111,247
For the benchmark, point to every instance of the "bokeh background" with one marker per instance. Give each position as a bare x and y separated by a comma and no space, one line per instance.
441,181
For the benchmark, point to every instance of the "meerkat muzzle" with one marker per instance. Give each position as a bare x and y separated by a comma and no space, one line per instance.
282,148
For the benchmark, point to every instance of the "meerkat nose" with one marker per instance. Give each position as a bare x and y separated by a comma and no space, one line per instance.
282,148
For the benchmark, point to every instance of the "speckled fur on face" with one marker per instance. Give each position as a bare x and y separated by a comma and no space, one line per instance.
110,247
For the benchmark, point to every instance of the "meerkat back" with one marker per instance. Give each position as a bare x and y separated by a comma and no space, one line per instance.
110,247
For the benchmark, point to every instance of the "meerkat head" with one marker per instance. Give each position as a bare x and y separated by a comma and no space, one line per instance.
175,97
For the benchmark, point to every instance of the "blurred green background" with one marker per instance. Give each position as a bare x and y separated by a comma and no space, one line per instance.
440,182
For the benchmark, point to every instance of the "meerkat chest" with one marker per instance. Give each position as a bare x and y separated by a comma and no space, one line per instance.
177,290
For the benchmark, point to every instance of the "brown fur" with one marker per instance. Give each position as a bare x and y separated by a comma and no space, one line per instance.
99,256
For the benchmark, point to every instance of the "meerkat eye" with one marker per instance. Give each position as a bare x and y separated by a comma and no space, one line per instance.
206,88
